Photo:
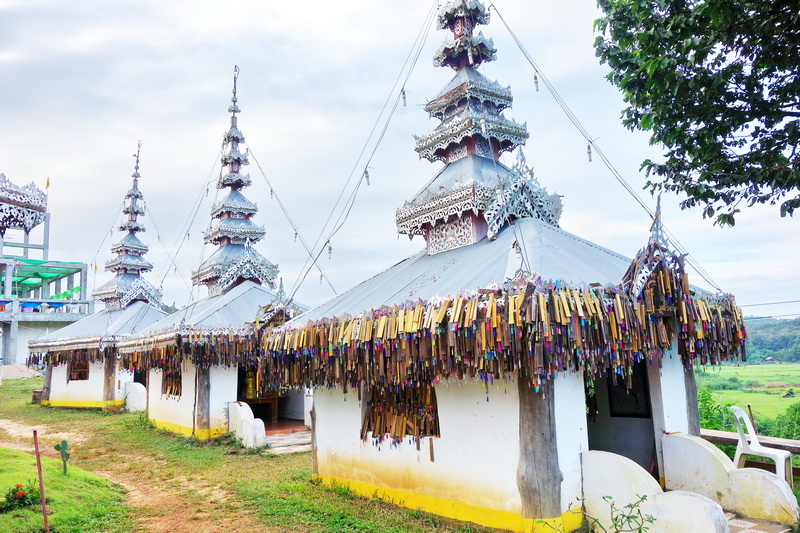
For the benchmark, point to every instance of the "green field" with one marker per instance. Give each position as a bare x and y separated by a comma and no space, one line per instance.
761,385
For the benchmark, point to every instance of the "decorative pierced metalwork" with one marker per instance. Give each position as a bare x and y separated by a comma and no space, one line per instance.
451,235
524,198
231,228
464,48
20,207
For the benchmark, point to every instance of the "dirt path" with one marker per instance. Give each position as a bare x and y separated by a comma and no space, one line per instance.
171,505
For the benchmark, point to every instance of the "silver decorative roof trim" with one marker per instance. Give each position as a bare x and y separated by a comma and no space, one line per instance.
463,197
469,84
21,207
451,133
236,203
236,230
479,46
524,198
461,8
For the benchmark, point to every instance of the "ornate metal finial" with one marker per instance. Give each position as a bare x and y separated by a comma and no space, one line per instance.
231,226
128,285
657,234
234,108
136,174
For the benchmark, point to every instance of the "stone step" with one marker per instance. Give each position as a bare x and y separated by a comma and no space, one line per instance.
282,443
739,524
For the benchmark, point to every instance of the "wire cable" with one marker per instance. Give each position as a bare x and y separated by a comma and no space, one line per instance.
408,67
592,143
286,214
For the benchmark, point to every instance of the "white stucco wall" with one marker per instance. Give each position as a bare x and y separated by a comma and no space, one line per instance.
223,381
175,413
571,436
668,395
475,460
122,378
83,393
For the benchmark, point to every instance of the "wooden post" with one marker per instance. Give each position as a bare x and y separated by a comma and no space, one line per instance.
203,395
109,373
692,409
314,463
41,479
538,473
48,380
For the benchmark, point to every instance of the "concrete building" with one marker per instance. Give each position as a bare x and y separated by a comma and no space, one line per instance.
39,295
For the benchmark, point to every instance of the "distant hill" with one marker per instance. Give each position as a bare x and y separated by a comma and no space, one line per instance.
773,337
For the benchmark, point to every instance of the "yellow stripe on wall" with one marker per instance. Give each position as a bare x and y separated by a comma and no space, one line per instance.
460,511
82,403
199,434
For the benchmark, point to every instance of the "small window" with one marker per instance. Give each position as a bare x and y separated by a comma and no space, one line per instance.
78,370
171,381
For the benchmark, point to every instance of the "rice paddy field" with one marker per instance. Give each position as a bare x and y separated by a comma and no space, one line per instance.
762,386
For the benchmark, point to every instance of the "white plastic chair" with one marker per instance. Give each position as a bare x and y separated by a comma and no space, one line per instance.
782,458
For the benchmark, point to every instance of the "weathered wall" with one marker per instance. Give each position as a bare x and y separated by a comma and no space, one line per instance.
473,475
173,413
222,392
83,393
571,436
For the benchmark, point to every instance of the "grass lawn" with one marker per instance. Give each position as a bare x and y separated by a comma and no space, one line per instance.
769,404
762,385
788,373
208,487
79,501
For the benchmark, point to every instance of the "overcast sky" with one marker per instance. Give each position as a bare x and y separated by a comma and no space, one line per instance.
82,82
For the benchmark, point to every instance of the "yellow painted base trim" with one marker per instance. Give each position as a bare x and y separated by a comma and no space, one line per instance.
82,403
199,434
460,511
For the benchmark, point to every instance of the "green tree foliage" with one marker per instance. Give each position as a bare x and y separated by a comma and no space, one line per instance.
776,338
716,83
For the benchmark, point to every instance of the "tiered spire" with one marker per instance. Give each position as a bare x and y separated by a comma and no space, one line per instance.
231,229
128,285
474,195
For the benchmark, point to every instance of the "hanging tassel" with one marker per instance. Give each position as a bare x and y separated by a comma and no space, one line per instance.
330,250
589,151
271,194
403,96
536,82
295,236
366,175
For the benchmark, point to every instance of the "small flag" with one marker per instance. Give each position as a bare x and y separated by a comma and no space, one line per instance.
15,266
47,183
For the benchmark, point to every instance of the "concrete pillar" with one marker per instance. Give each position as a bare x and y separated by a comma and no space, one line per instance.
667,399
10,331
84,286
571,435
9,287
46,237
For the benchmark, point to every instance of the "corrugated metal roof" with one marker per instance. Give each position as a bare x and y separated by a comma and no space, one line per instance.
122,322
234,308
553,253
